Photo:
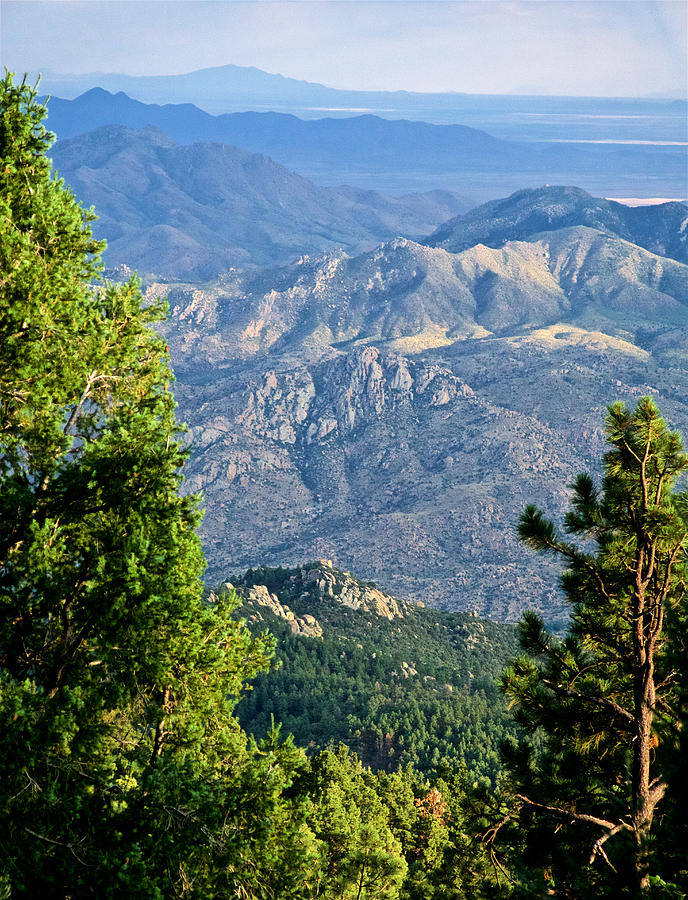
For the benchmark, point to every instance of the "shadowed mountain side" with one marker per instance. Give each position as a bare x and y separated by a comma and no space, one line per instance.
663,228
396,411
188,213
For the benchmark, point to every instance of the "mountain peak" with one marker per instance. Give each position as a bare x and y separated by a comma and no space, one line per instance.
534,210
95,93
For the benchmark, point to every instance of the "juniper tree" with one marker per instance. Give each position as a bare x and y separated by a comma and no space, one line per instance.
122,769
604,698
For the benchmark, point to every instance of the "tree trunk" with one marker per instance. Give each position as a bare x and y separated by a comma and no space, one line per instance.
644,704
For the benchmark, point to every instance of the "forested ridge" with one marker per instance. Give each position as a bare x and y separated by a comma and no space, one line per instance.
127,768
419,688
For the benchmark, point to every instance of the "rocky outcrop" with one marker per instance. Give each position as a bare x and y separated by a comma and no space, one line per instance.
278,405
258,598
315,590
369,383
323,582
355,389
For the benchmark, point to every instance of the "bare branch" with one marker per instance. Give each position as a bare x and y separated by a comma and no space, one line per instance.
601,701
488,838
569,814
70,847
597,846
160,732
86,393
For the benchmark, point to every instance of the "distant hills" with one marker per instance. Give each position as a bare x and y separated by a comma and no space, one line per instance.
188,213
367,150
662,229
326,142
396,410
219,86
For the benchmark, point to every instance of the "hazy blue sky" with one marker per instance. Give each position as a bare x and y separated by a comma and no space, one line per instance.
545,46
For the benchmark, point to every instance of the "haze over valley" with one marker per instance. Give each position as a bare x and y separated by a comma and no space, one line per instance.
492,146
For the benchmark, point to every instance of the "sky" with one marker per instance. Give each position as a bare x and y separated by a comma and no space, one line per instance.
577,47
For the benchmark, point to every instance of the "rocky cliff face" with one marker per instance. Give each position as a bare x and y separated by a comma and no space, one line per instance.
395,466
258,598
316,587
322,582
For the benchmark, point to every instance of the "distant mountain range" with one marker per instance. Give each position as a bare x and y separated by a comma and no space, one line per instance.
368,150
357,140
230,88
188,213
223,88
395,411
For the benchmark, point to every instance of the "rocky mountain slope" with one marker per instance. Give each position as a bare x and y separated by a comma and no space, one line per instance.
395,411
417,297
191,212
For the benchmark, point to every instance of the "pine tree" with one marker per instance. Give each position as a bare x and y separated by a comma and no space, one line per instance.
362,859
122,769
604,698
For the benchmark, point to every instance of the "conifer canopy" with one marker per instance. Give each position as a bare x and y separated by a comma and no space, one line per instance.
123,771
604,701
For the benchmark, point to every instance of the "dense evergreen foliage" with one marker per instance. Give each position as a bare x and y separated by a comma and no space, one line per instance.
123,772
393,835
419,689
608,697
